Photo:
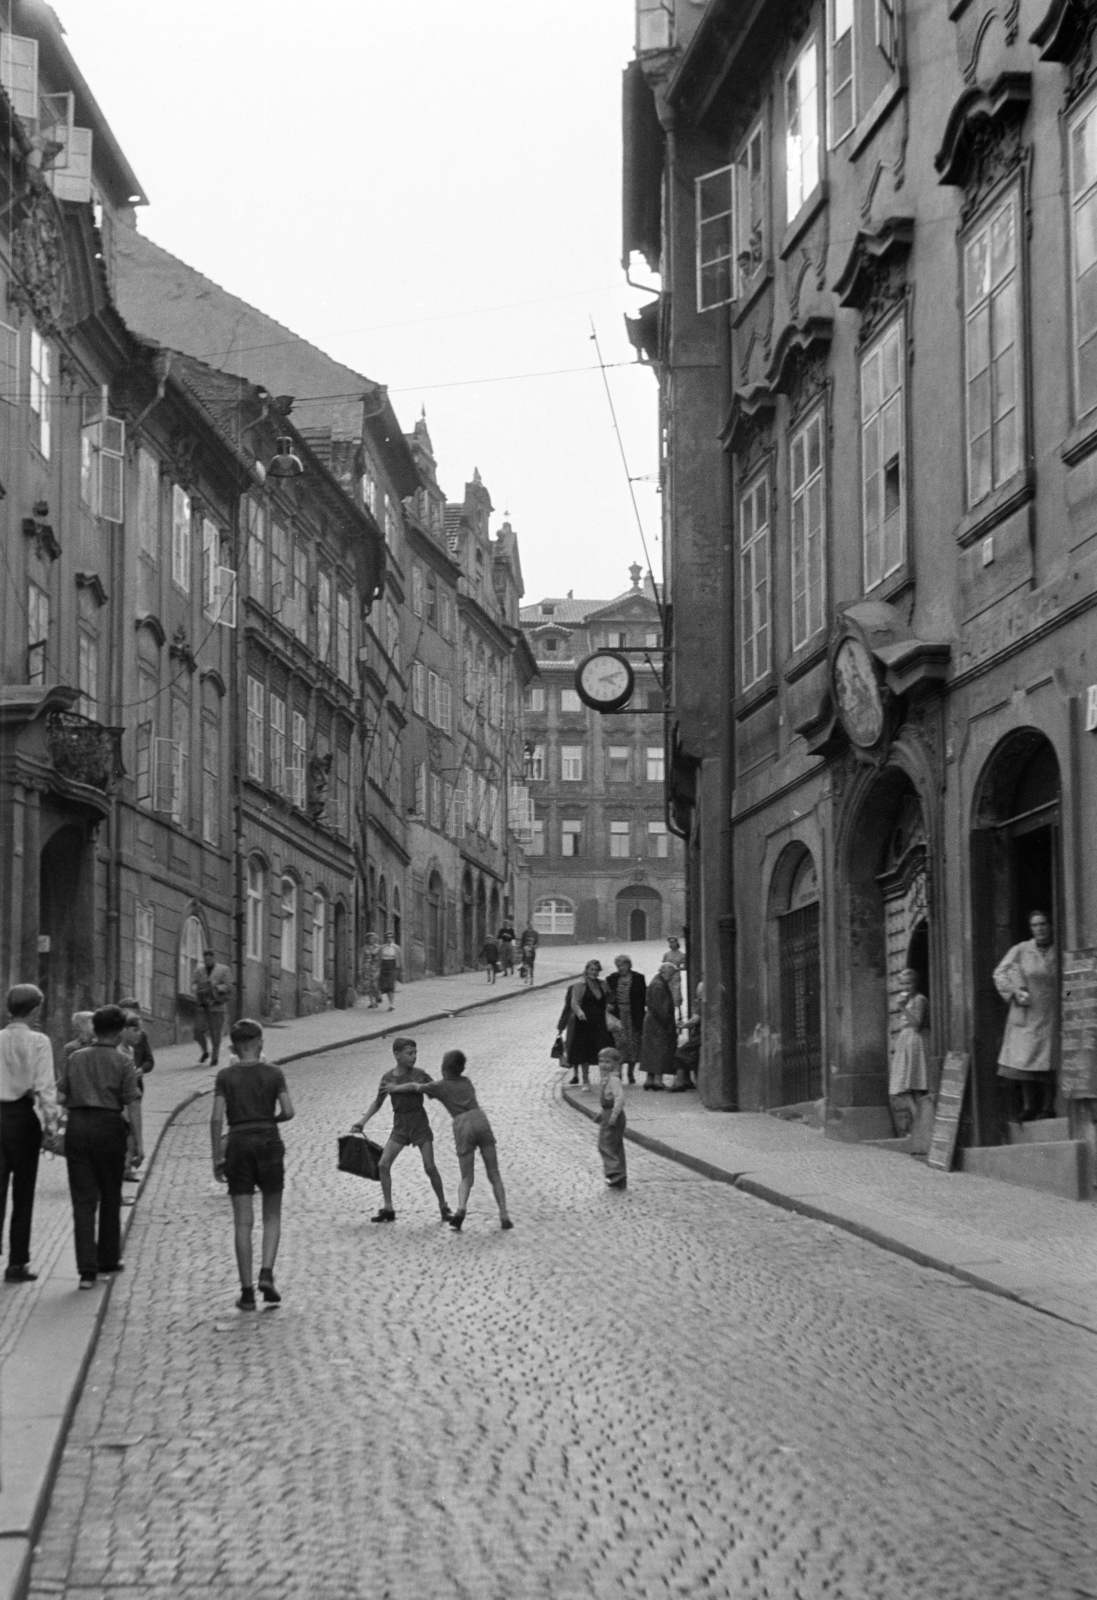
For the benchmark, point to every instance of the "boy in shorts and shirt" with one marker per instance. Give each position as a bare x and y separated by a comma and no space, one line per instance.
471,1132
410,1125
253,1096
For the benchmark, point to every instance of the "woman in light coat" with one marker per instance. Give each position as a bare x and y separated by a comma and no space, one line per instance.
1028,977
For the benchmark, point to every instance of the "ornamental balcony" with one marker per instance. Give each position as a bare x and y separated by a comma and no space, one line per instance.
84,751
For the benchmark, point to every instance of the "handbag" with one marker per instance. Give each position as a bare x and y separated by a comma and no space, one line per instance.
557,1047
360,1156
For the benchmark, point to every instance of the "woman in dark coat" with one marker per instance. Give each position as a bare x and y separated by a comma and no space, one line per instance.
584,1016
627,998
660,1033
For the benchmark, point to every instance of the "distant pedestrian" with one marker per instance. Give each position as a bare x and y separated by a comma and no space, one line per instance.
410,1125
507,938
471,1132
584,1017
676,957
371,969
392,964
489,956
143,1057
82,1032
28,1103
908,1074
252,1096
211,987
527,946
688,1054
134,1044
660,1037
611,1129
99,1087
627,1002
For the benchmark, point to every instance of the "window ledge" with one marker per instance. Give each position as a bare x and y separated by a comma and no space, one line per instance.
996,507
758,695
803,219
802,660
763,277
1081,441
878,112
890,588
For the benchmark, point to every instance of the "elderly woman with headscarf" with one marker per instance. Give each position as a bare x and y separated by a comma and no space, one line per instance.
660,1036
584,1017
627,998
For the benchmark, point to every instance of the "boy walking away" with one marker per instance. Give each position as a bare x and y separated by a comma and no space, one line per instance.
99,1086
471,1132
28,1100
489,955
211,987
611,1131
410,1125
252,1095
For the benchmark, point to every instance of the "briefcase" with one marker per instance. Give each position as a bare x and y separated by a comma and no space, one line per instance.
360,1156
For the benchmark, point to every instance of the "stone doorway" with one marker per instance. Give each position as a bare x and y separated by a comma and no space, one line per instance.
66,927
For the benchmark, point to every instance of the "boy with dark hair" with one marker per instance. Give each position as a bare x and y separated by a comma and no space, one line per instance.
471,1132
253,1096
410,1125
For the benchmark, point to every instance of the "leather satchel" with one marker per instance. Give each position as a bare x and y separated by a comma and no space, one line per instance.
360,1156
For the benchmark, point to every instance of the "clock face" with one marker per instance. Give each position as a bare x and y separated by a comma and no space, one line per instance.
604,680
858,694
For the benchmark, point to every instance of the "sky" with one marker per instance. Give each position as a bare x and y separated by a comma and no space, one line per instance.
429,190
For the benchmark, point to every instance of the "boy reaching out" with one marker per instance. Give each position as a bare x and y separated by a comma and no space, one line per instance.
253,1096
410,1125
471,1132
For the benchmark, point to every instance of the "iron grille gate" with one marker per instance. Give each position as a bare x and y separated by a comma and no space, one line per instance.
801,1032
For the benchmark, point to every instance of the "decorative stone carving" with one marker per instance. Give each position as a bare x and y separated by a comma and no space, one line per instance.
748,429
38,263
83,751
36,527
1065,34
873,280
982,145
318,778
180,649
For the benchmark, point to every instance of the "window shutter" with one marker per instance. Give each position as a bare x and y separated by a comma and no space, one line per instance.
164,771
112,464
19,74
73,180
226,596
715,203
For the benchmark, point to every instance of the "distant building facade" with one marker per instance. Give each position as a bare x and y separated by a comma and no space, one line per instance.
603,862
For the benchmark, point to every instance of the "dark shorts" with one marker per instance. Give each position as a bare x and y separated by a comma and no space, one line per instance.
415,1133
472,1131
255,1160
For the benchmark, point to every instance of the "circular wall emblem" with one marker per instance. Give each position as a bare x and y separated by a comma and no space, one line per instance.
857,694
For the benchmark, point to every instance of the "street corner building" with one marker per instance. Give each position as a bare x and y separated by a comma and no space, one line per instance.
875,343
603,862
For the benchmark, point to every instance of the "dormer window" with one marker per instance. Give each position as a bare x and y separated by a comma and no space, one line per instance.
550,646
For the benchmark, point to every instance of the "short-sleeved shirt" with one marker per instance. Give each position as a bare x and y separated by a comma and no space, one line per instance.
98,1078
250,1090
408,1113
456,1094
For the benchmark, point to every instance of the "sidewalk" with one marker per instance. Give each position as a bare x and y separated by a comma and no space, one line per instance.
48,1329
1021,1243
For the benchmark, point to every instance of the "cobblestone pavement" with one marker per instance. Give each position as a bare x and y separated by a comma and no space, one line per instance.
678,1390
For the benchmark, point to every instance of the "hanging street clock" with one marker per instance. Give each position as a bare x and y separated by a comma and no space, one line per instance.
604,681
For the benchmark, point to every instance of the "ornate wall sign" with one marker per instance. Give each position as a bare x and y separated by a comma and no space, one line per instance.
38,264
856,691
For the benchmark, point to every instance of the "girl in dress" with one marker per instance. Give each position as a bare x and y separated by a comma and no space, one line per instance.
908,1079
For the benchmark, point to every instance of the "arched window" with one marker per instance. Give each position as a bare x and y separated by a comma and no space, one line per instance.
289,925
319,936
554,916
257,886
192,942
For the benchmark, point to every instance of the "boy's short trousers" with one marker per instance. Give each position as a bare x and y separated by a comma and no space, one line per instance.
472,1131
415,1132
255,1160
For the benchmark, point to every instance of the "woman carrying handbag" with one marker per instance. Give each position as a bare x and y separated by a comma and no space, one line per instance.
588,1029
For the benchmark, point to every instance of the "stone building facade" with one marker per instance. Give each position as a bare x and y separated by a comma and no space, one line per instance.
873,352
603,862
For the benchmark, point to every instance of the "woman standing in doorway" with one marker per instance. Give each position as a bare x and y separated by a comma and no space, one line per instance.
908,1078
1028,977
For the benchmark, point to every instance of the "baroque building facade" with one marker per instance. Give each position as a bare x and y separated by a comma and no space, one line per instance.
603,862
881,528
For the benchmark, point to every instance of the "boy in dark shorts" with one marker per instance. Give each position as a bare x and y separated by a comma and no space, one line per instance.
471,1132
253,1096
410,1125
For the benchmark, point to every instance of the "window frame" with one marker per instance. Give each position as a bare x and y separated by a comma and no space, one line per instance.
87,673
896,329
289,940
1084,112
255,896
1009,196
620,830
41,384
836,137
745,282
762,535
816,418
256,728
144,955
803,191
38,631
658,834
319,937
571,754
182,517
655,756
571,828
714,273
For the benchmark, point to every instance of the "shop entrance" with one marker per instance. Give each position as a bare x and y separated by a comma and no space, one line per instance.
1015,870
66,925
794,903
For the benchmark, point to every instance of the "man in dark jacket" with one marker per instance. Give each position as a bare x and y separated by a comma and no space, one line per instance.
660,1033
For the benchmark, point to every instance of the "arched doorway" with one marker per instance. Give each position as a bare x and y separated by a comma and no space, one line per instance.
637,924
467,928
66,926
639,912
341,954
436,932
794,912
1015,870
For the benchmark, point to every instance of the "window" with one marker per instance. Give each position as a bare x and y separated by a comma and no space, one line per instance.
300,618
277,742
369,490
436,814
211,561
257,550
148,505
534,699
655,762
392,634
843,107
432,599
446,615
551,646
750,213
570,701
323,614
754,580
620,840
211,780
801,130
993,388
146,712
180,538
421,789
571,836
434,699
255,729
417,590
654,24
342,635
714,198
9,364
653,700
102,465
495,815
192,942
652,641
617,763
658,839
616,640
40,379
319,936
295,786
554,916
883,468
457,810
536,764
418,688
887,32
481,805
180,742
87,674
19,74
279,549
144,948
447,708
1083,227
808,529
392,522
535,845
38,632
257,881
288,954
342,790
571,763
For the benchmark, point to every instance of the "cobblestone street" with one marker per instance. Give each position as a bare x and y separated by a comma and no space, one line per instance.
674,1391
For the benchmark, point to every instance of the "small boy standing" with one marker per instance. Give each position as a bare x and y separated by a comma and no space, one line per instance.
252,1095
611,1131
